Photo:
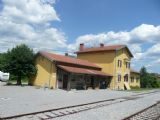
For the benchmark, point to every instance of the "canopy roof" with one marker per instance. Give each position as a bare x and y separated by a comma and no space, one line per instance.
83,71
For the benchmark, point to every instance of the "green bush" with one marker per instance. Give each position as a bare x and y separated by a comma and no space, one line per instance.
135,87
148,80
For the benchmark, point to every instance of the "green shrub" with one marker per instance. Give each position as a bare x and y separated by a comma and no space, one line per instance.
148,80
135,87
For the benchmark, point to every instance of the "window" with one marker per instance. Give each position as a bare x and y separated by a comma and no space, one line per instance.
126,78
137,79
132,79
119,63
127,64
119,78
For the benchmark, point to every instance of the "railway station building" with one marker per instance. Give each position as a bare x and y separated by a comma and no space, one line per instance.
114,60
94,68
63,72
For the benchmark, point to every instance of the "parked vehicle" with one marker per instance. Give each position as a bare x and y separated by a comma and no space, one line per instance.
4,76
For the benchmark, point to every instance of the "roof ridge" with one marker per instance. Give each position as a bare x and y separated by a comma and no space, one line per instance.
105,48
67,56
72,60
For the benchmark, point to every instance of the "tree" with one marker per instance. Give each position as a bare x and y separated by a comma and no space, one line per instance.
147,79
20,62
2,61
143,77
152,81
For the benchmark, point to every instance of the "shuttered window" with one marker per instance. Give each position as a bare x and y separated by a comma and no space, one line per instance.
119,63
119,78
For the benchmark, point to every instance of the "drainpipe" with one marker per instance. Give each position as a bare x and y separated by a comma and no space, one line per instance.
115,69
56,77
50,76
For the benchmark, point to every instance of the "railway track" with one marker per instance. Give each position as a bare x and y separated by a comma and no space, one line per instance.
59,112
150,113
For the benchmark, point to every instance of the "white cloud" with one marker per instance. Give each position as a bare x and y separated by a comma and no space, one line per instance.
155,63
138,56
152,55
110,38
135,48
138,35
49,1
145,33
154,51
94,39
28,21
134,38
28,11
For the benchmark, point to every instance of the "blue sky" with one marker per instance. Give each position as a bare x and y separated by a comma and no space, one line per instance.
63,24
87,16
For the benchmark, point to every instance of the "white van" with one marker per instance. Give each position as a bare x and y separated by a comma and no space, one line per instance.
4,77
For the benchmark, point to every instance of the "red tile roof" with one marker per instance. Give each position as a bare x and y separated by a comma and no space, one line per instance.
104,48
66,59
83,71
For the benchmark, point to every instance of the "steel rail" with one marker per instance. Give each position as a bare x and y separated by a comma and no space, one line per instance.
144,110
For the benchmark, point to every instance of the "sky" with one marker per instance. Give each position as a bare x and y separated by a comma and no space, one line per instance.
61,25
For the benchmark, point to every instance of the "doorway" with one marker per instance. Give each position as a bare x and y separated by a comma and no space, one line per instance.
65,81
103,84
92,82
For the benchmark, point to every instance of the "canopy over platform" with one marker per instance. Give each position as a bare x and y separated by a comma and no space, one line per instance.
83,71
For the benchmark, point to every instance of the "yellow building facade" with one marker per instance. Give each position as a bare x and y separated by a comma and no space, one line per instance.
135,79
99,59
63,72
46,73
114,60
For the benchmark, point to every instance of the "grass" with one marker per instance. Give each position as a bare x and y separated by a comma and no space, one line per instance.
14,81
141,89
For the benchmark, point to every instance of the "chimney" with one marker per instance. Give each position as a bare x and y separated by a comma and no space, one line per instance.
66,54
81,47
101,45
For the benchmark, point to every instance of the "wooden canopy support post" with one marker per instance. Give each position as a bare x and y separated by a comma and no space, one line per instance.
69,82
84,78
